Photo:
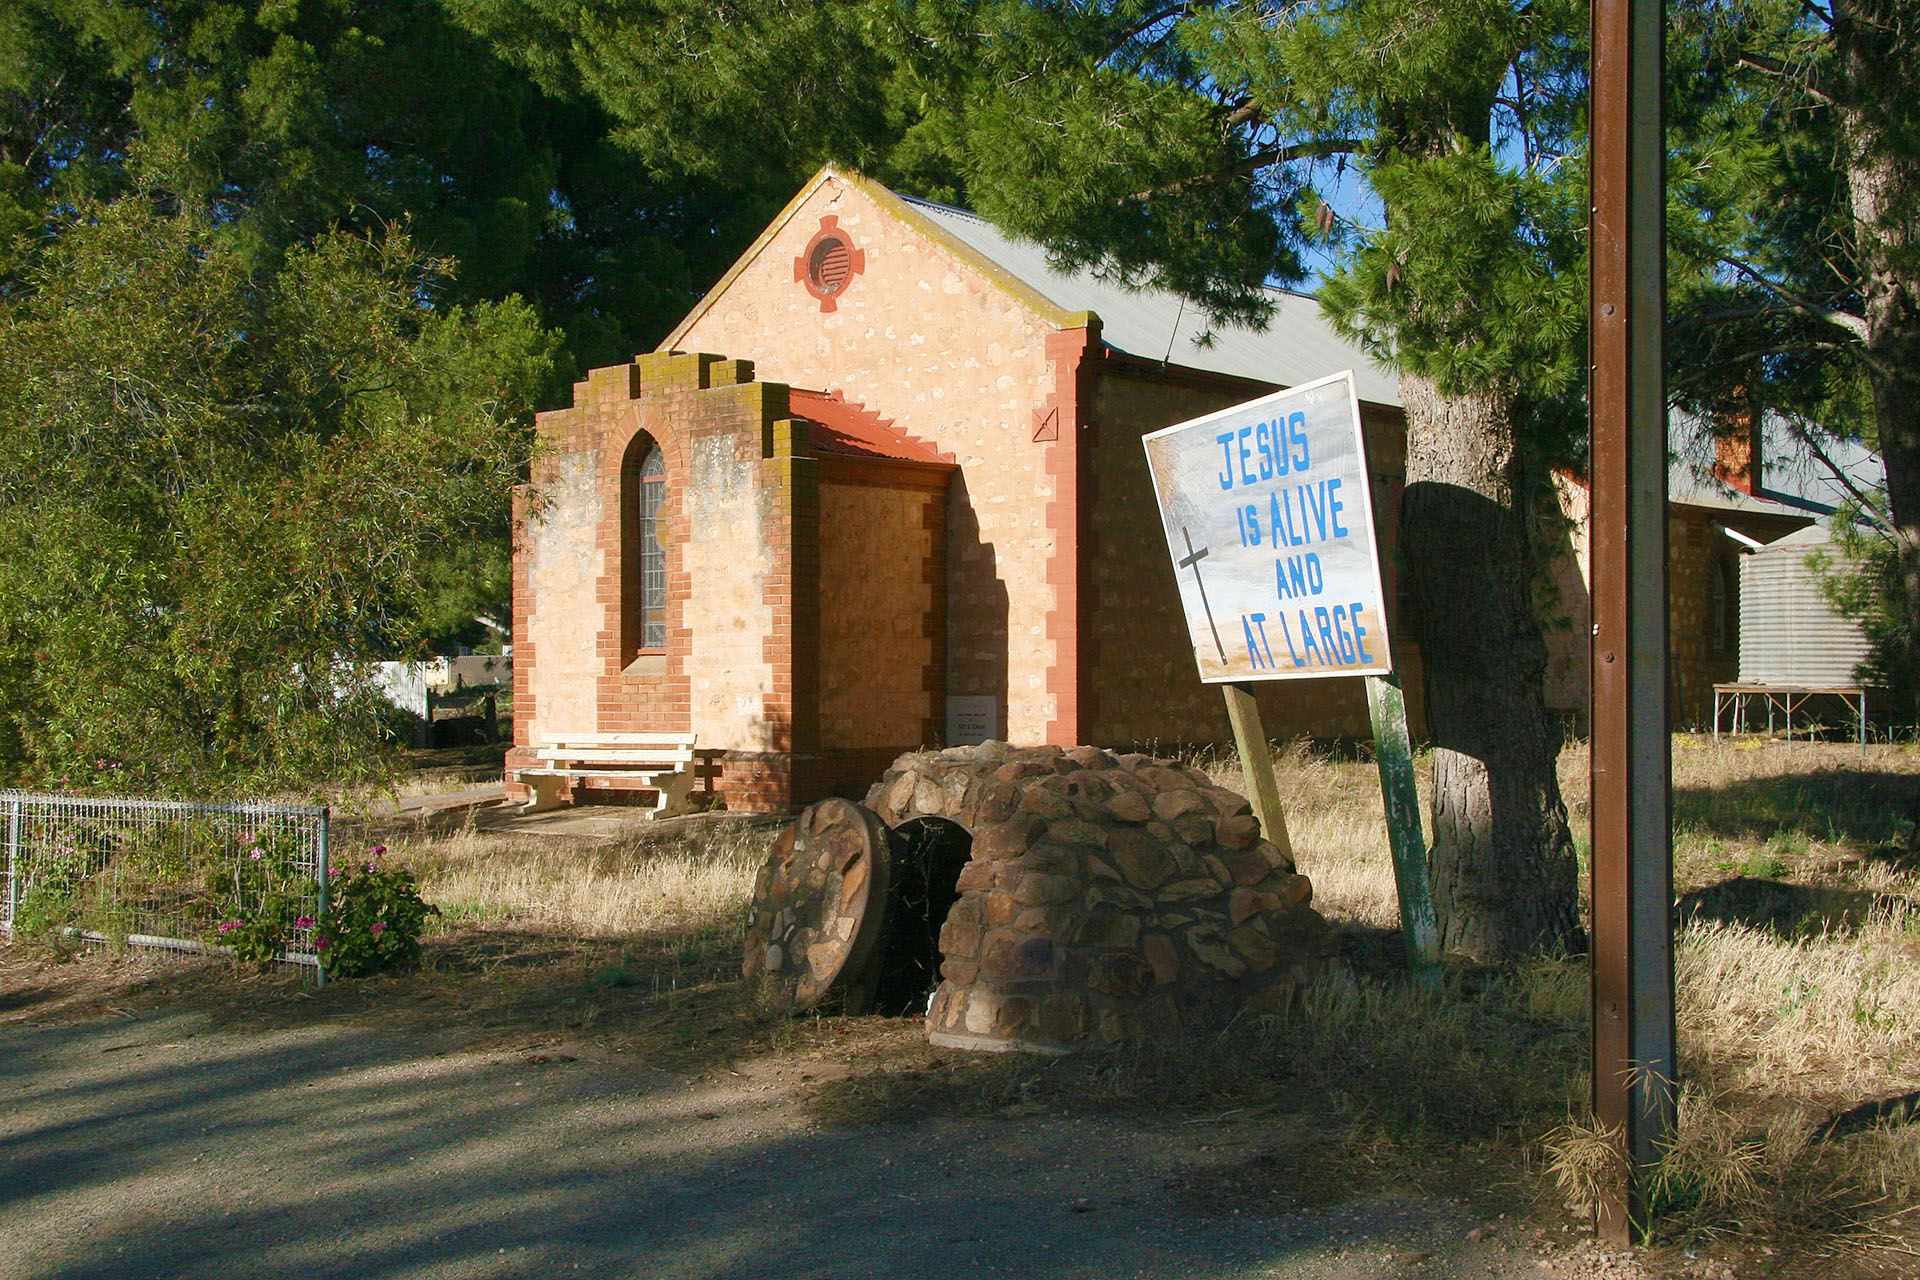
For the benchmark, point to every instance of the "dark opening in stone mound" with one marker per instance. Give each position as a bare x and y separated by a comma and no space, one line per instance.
928,856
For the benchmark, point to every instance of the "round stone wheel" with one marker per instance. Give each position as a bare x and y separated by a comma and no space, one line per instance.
819,906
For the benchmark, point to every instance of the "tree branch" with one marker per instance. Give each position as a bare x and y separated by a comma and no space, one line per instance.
1781,71
1840,477
1145,25
1855,325
1263,159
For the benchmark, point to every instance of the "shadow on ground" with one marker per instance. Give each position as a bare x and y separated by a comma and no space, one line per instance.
1787,909
1856,805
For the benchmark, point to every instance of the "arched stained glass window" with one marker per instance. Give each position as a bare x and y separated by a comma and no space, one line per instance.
653,560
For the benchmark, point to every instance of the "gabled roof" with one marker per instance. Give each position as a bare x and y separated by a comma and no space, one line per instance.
1298,345
837,426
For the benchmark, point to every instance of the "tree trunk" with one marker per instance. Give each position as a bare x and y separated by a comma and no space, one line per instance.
1876,43
1505,882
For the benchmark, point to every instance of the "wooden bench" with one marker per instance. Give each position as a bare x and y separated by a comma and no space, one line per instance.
664,763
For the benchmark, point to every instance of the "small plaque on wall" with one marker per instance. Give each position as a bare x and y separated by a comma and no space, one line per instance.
972,719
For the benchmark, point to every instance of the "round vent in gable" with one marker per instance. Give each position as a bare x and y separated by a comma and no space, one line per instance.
829,264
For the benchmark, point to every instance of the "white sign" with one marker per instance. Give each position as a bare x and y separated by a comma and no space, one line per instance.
972,720
1269,520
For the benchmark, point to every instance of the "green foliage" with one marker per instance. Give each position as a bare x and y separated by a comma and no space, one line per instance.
1798,297
373,919
260,890
713,90
1477,283
284,121
1475,280
1865,582
1070,163
184,877
54,885
222,492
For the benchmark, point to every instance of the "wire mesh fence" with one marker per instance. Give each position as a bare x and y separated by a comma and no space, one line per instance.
238,879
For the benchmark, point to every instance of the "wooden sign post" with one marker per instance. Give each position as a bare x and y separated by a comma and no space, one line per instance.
1256,761
1393,749
1269,524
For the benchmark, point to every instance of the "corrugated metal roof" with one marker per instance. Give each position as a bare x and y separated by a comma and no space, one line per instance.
1793,479
1298,345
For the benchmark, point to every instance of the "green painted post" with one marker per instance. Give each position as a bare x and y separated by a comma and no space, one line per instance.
1388,707
1256,761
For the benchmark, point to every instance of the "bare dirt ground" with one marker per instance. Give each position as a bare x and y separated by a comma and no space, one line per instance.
510,1110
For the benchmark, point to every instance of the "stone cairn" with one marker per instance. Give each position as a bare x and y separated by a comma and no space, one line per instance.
1101,899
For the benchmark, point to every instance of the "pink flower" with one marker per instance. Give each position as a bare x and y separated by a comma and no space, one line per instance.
377,850
379,926
227,926
255,855
100,764
303,922
372,867
319,942
333,871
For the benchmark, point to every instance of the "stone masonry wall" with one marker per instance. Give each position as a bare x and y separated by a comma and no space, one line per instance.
882,615
921,338
739,523
1108,898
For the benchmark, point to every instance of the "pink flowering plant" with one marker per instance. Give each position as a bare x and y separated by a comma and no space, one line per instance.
374,918
258,894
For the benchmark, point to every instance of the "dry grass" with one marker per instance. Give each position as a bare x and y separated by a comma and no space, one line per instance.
1826,1018
689,882
1336,826
1797,991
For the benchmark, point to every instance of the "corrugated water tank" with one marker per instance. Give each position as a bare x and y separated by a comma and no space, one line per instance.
1789,634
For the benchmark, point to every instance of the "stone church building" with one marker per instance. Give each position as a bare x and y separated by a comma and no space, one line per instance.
883,488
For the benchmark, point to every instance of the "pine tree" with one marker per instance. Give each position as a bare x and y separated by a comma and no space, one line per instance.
283,121
1201,149
1809,301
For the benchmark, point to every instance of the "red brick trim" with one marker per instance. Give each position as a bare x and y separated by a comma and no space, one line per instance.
856,263
1068,515
934,676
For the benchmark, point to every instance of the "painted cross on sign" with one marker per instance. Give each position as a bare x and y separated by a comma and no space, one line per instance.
1269,521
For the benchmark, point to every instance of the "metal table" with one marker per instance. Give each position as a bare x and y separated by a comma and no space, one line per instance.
1784,699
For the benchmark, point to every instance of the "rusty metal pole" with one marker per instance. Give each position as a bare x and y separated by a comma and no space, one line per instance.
1634,1072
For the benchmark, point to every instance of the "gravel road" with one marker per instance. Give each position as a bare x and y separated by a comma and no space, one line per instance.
164,1145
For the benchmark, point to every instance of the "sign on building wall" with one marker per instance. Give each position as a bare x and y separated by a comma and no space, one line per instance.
971,719
1269,521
